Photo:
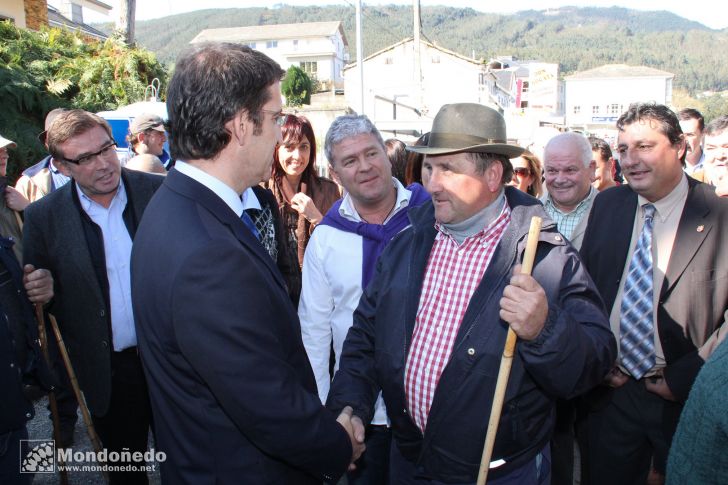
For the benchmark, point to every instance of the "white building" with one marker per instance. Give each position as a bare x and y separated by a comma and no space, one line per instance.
319,48
596,98
528,93
394,97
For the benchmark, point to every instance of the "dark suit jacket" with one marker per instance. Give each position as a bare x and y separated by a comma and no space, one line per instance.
232,391
694,294
55,238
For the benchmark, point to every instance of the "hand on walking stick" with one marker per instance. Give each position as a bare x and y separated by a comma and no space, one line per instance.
524,316
38,284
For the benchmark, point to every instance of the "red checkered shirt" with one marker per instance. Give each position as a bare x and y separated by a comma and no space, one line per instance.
452,275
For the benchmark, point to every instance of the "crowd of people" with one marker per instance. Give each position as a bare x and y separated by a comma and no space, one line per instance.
270,325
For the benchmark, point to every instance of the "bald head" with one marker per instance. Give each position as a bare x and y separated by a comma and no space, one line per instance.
569,169
146,163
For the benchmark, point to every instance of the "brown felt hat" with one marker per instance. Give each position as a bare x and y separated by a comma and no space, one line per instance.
468,127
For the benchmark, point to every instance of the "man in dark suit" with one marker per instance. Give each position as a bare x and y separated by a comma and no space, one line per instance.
233,394
83,234
658,251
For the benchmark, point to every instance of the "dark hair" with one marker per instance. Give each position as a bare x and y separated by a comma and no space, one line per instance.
211,84
484,160
397,154
534,165
717,126
691,114
413,169
602,147
665,118
293,132
69,124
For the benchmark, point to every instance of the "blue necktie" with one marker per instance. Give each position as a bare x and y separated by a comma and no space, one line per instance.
250,224
636,330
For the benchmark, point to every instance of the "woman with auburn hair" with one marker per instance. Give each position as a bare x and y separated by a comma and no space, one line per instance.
527,174
303,197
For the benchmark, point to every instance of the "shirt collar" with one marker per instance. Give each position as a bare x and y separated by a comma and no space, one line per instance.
347,210
52,166
665,206
592,193
220,188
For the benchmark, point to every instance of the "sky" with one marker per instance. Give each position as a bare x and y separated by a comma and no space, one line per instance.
710,13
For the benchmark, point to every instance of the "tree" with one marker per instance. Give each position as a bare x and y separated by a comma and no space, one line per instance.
54,68
297,87
125,22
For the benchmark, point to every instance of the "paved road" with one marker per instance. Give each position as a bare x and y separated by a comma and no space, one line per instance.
40,428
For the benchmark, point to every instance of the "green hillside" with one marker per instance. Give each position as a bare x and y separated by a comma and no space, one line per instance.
576,38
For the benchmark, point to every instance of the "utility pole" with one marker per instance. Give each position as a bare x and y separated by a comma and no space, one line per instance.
418,57
360,56
125,21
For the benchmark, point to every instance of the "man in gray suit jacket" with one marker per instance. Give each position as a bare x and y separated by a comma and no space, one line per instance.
83,234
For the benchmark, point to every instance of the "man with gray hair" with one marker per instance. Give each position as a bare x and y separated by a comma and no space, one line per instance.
340,260
430,327
569,170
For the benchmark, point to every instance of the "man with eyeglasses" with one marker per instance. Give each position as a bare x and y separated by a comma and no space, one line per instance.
232,390
83,234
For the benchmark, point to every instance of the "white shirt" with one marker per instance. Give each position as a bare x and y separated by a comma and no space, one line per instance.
117,252
331,289
237,203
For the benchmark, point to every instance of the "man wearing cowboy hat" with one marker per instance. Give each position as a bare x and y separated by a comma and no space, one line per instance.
430,327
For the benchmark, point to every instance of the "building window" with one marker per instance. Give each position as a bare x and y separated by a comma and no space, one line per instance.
389,60
524,88
251,45
271,44
595,110
577,109
436,59
524,104
295,44
614,109
310,67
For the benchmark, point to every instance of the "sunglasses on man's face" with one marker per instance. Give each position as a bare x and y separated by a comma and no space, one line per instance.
522,172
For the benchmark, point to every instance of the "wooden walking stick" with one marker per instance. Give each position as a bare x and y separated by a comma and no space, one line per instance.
506,360
51,394
77,390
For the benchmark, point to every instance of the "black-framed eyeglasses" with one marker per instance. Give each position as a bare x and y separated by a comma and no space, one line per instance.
522,171
83,160
278,116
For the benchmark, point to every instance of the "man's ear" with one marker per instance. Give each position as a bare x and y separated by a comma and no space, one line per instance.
592,171
334,175
62,167
494,176
240,127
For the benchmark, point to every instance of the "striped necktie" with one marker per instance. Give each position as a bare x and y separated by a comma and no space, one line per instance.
636,330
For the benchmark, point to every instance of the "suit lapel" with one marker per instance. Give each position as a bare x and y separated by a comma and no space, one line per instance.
72,243
692,230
